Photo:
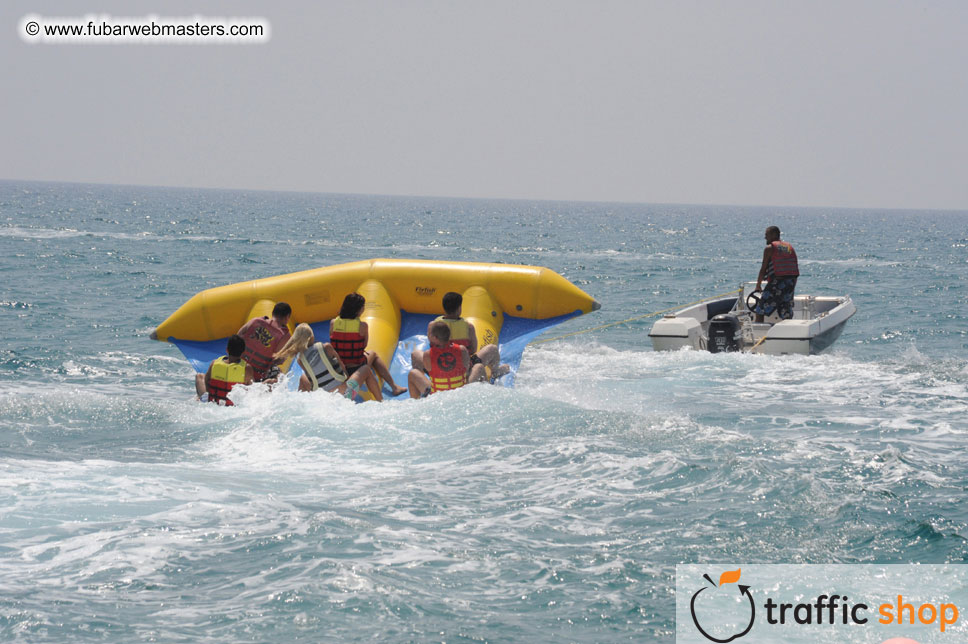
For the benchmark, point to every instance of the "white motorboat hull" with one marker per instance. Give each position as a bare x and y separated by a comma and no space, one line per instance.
817,323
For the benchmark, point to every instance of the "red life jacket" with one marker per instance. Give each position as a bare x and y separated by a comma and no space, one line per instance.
447,367
784,260
460,333
224,376
261,340
348,341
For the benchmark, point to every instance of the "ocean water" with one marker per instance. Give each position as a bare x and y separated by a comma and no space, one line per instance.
554,511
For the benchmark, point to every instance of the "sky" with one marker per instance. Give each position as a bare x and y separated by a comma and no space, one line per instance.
846,103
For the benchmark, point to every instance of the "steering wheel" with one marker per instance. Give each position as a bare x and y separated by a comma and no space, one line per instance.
753,299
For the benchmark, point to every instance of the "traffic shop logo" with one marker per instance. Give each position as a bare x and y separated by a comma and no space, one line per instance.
713,595
725,611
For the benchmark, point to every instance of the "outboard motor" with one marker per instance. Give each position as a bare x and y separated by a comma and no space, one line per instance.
725,334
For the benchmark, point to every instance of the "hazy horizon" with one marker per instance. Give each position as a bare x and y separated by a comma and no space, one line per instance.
526,199
856,104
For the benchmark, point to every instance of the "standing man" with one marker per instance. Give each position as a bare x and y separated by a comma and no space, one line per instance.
780,270
263,339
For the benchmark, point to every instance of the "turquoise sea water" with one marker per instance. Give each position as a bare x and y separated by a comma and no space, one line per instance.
554,511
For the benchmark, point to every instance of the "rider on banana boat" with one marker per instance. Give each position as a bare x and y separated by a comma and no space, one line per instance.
462,332
223,373
349,336
321,365
263,338
445,365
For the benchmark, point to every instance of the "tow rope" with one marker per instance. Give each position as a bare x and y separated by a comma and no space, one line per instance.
758,344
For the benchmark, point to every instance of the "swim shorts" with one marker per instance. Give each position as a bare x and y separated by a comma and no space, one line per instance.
777,296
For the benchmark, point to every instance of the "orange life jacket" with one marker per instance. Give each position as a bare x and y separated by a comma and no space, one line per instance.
225,375
447,367
784,260
348,341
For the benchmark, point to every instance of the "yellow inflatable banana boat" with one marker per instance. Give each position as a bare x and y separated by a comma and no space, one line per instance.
508,304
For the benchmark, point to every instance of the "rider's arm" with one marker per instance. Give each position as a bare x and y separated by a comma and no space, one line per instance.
767,255
331,352
365,332
472,332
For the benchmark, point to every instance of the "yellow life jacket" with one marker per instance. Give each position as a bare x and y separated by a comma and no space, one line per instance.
225,375
460,331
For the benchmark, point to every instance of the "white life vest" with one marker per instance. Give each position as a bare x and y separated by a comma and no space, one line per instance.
321,371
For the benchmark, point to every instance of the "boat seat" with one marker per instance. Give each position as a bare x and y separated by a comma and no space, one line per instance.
718,307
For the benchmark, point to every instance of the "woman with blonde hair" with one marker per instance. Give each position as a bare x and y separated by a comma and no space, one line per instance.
322,367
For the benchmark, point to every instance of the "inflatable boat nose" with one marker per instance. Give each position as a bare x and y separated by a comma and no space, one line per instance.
154,335
595,305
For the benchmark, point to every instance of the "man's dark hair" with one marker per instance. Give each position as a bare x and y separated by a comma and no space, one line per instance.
452,302
281,310
773,230
440,330
352,306
235,347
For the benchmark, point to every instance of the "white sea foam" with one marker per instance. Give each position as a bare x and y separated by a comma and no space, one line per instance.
20,232
852,262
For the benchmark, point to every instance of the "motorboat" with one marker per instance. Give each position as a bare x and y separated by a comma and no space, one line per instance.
728,324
